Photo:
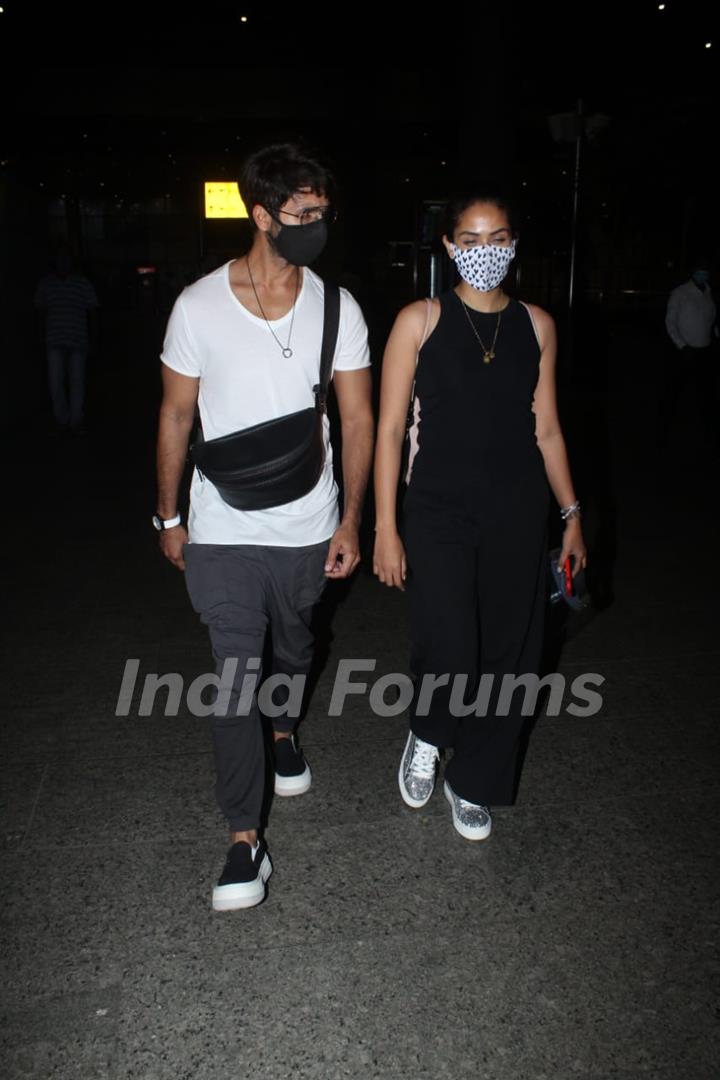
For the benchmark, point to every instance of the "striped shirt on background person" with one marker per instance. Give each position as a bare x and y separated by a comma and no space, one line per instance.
66,302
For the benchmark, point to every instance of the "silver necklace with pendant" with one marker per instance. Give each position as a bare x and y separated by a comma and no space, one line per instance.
286,350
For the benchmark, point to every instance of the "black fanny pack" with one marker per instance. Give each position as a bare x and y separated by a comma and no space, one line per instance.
279,460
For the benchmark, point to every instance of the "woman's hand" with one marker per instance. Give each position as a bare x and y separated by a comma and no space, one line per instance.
573,544
389,562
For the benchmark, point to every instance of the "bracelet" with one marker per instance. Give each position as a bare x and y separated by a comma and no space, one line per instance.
166,523
569,512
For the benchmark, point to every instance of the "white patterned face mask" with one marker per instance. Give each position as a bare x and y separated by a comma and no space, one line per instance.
485,265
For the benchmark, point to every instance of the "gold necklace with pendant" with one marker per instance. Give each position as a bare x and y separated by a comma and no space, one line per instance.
488,354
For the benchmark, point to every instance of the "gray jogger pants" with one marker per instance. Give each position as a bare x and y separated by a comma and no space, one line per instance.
240,591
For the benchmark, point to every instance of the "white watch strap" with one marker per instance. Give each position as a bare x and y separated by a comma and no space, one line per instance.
170,523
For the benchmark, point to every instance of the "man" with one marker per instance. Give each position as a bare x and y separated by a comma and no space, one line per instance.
68,301
690,323
244,344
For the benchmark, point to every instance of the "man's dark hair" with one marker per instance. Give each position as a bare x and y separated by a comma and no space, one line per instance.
271,176
478,192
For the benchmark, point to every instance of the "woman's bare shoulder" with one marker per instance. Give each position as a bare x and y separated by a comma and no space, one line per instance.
540,316
417,318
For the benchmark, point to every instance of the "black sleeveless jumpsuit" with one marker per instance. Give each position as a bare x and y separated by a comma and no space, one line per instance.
474,525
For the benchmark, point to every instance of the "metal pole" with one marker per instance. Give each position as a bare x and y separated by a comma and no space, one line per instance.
433,290
201,229
573,243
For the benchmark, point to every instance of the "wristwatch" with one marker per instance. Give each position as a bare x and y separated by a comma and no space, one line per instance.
167,523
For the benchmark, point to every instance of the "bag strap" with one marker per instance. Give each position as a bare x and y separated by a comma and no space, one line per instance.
428,317
331,325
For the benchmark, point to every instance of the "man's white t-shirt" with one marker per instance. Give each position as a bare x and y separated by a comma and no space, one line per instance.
244,380
690,315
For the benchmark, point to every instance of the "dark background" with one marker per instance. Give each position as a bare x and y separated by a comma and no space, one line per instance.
577,944
114,116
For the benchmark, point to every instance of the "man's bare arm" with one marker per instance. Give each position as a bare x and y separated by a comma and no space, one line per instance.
352,389
177,413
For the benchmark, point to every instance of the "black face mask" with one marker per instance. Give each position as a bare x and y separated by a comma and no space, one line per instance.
300,244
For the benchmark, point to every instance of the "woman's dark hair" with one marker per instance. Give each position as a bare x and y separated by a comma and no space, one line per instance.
271,176
468,196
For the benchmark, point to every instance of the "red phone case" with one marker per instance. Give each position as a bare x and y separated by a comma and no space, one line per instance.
567,571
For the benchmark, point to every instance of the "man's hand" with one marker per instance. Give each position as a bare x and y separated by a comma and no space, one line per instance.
171,545
344,552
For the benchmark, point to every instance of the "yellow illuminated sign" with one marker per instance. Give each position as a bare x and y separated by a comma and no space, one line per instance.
222,200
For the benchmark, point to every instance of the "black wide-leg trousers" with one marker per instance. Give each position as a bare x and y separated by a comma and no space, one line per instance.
477,590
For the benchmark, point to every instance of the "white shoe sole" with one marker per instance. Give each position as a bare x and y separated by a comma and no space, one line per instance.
416,804
293,785
244,894
465,830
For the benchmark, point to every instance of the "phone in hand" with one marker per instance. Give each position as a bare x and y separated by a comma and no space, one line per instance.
565,587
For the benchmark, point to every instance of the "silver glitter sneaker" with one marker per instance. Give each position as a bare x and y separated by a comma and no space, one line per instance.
470,819
418,769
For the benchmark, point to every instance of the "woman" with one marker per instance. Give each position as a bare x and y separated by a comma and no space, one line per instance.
485,441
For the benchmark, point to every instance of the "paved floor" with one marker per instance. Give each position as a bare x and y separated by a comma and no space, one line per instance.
578,942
